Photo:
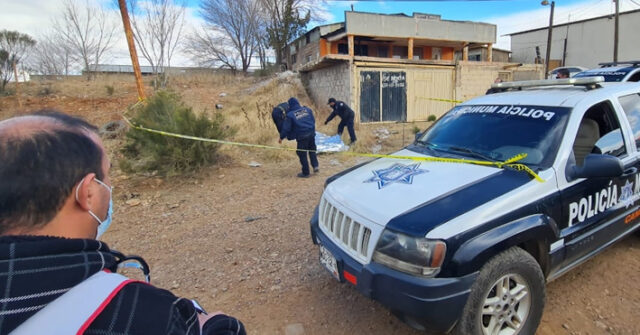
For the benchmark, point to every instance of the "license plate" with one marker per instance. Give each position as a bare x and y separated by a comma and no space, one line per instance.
329,262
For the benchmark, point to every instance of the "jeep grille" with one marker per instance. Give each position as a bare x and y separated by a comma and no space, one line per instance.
344,230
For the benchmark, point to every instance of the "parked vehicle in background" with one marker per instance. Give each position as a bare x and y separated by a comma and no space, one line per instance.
573,70
615,71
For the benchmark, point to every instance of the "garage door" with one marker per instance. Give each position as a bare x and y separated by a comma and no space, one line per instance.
430,87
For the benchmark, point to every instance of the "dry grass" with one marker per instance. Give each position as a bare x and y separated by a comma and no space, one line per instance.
247,108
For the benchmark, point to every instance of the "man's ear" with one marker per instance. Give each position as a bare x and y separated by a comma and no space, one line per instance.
83,192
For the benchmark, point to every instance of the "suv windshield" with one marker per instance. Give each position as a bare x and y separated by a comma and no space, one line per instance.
609,76
499,132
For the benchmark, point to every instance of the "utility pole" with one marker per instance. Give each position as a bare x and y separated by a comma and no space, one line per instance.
546,61
566,39
132,49
615,34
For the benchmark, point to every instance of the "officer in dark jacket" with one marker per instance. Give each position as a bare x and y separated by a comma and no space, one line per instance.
279,114
51,215
301,126
346,115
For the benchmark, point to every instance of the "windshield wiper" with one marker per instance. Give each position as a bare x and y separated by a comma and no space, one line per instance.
428,146
472,153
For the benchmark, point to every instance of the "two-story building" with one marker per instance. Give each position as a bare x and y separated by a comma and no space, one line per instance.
390,67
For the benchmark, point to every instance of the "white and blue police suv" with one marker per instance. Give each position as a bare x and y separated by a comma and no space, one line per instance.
468,248
615,71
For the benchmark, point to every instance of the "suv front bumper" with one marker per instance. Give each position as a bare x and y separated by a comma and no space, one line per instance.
432,303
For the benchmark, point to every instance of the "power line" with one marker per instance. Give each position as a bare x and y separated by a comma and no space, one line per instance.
585,10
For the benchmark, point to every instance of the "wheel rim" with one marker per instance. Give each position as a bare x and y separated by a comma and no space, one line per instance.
506,306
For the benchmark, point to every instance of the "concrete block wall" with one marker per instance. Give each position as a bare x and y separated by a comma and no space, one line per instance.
475,78
333,81
528,72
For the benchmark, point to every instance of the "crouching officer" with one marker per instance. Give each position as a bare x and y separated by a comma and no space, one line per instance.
301,126
346,117
279,114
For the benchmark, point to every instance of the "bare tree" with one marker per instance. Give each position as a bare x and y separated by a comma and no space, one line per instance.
53,56
5,69
286,20
157,26
89,30
234,22
14,47
212,49
263,40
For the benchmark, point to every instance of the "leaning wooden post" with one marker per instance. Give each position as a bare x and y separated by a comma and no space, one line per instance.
132,49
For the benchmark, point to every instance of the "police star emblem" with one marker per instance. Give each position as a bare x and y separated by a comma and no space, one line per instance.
396,173
626,195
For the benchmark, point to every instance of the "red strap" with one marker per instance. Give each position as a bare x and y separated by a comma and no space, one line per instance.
106,302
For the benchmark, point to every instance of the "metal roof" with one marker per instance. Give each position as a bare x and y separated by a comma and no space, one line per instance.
117,68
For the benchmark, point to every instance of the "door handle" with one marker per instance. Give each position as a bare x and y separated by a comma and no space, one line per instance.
630,171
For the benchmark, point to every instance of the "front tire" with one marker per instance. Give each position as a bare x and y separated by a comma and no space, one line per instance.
507,297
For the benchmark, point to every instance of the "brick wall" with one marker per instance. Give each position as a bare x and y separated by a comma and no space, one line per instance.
333,81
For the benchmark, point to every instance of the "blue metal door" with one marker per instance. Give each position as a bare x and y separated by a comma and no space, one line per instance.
369,96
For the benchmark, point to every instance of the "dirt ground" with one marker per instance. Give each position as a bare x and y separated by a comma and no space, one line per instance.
199,236
237,239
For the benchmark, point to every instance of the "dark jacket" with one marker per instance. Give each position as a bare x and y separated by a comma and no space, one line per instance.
494,90
342,110
299,123
35,270
279,114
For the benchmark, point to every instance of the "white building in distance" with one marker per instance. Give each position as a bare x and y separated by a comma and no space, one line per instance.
580,43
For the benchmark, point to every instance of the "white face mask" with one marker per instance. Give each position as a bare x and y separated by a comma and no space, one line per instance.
102,224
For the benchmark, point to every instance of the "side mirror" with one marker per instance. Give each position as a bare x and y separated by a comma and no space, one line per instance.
597,166
418,134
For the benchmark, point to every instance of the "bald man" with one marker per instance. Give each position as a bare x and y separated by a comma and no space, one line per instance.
57,276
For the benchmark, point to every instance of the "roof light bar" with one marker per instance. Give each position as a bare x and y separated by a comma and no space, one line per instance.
610,64
586,81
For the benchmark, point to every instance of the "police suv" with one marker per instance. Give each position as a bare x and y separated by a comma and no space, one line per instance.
615,71
464,243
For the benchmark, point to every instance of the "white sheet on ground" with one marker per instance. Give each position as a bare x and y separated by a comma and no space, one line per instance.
325,143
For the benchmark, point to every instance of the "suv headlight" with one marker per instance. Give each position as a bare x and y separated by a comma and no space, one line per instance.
413,255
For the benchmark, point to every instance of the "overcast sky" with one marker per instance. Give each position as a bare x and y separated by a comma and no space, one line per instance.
34,17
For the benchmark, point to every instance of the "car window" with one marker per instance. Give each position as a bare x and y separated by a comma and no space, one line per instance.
631,106
611,143
599,133
635,77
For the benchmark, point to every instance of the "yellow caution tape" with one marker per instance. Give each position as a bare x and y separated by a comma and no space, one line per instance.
443,100
508,163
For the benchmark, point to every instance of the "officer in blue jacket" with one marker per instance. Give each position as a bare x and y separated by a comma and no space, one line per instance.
346,117
301,126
